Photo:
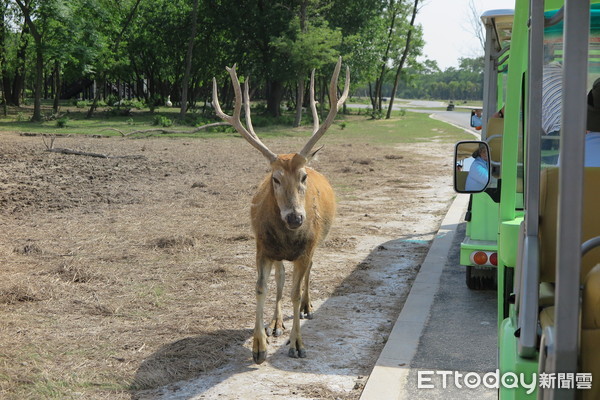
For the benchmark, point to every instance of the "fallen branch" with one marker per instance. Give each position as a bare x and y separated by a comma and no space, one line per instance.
167,131
77,153
50,148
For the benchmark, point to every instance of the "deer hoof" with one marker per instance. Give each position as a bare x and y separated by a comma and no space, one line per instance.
307,315
259,357
274,332
293,353
275,329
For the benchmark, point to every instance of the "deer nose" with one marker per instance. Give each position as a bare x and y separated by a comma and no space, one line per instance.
294,220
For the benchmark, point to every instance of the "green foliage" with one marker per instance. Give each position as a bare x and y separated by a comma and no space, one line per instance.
62,122
81,103
161,120
139,46
111,100
462,83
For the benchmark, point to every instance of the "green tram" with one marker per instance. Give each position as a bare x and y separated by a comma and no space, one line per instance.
541,196
479,250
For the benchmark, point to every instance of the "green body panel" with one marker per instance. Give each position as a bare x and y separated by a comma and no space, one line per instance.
482,230
509,361
468,246
486,212
517,65
509,242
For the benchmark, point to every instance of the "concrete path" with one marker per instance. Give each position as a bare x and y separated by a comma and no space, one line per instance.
443,331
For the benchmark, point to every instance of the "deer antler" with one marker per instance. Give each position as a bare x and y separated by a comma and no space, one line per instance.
234,120
335,103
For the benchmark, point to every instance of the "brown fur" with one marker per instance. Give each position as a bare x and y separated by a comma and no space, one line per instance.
276,242
272,237
291,213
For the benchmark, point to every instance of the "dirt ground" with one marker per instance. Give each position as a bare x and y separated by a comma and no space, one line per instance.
122,277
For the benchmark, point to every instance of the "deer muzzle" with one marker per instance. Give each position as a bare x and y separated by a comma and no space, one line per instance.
294,219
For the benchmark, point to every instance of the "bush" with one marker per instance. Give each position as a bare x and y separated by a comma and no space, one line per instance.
161,120
111,100
118,112
62,122
196,119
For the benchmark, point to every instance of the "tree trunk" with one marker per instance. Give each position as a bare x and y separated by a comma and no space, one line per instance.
57,87
299,102
403,59
300,84
188,62
14,94
5,78
39,61
274,96
379,82
94,105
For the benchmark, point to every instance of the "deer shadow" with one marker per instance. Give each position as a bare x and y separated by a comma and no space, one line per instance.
345,337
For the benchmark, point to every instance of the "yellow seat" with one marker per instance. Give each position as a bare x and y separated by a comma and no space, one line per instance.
495,126
590,330
494,131
548,221
590,270
547,317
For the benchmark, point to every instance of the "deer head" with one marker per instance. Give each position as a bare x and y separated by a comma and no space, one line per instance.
289,173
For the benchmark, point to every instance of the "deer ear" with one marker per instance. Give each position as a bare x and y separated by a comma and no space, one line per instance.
313,155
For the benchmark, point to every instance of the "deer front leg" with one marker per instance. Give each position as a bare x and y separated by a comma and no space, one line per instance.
259,342
306,308
276,327
301,267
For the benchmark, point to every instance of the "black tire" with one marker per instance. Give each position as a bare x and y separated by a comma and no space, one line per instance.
480,278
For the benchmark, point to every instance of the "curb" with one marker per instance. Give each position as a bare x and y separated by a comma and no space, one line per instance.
393,365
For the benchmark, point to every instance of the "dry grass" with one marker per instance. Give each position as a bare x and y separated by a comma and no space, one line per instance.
124,274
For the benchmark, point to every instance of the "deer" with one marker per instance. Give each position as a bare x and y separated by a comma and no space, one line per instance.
291,213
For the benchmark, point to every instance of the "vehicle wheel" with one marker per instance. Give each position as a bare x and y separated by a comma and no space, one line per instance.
480,278
471,280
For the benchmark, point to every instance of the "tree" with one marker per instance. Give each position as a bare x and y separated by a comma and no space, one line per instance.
28,9
109,55
404,56
188,61
398,44
308,44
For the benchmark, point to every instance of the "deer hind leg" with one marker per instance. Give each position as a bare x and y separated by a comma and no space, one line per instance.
276,327
306,308
259,342
301,267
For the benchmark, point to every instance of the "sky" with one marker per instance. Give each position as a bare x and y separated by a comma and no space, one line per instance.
448,30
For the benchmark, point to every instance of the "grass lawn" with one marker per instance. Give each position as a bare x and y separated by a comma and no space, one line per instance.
404,126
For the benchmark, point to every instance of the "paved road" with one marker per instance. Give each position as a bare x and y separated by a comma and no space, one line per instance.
460,337
447,332
459,117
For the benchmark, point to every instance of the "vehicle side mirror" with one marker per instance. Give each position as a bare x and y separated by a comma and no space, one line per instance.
471,166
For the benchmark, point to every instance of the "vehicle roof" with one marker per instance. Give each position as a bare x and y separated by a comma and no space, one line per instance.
502,21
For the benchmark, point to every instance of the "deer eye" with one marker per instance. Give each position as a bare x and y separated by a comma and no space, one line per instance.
303,180
276,181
